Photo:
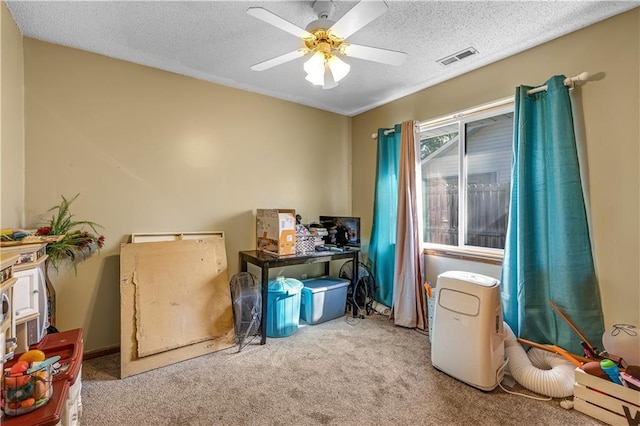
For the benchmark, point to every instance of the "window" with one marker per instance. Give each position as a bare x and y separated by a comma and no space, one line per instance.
466,177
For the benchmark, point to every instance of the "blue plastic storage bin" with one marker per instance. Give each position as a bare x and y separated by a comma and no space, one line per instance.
323,299
283,307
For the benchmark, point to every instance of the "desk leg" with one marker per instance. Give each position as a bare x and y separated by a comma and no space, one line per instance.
354,283
265,294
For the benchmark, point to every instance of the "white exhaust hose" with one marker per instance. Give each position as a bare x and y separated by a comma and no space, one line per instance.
542,372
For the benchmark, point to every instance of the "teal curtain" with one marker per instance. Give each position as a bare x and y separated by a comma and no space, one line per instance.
547,254
382,246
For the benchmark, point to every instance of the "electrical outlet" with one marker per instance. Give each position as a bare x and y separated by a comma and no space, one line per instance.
304,276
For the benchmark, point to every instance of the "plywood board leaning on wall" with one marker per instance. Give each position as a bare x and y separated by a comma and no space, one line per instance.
175,302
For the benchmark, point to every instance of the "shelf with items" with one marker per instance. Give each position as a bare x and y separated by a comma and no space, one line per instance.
7,261
27,253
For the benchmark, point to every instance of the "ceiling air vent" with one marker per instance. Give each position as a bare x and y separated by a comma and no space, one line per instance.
458,56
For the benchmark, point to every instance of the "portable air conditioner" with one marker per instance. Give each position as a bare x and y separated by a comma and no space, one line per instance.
468,335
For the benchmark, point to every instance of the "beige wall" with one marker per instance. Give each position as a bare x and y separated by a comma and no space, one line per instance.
11,122
610,51
152,151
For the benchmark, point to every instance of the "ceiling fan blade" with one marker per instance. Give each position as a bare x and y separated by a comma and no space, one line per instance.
276,21
356,18
375,54
279,60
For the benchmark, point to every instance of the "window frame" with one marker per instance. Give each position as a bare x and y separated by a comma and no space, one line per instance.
491,109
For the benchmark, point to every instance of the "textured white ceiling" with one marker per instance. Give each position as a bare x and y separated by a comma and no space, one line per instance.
218,41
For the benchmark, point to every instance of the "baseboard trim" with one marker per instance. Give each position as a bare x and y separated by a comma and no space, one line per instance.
100,352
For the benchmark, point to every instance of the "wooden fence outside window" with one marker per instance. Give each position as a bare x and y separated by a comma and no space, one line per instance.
487,214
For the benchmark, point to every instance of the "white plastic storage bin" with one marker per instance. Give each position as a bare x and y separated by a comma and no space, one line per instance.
468,334
323,299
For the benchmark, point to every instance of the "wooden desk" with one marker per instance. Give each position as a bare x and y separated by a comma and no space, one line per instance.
267,261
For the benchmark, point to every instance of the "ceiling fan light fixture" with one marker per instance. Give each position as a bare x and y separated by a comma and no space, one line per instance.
338,68
315,79
315,64
326,39
325,70
329,81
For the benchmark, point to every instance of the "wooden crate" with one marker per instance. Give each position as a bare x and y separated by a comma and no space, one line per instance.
605,400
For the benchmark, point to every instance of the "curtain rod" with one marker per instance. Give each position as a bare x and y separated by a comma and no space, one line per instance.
389,131
457,115
569,82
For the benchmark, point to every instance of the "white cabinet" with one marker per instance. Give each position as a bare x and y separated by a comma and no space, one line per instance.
29,293
26,293
30,301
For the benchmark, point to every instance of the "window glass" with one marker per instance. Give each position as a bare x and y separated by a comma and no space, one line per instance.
440,163
466,175
488,161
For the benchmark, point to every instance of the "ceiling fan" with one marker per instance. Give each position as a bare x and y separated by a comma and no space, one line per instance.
325,41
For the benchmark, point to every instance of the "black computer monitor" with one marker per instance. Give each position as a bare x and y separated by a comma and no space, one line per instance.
343,230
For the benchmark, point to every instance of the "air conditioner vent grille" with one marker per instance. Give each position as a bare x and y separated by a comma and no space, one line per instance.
458,56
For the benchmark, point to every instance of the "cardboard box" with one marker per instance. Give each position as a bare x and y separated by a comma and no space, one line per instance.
276,231
606,401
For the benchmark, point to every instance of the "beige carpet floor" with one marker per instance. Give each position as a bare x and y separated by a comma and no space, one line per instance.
341,372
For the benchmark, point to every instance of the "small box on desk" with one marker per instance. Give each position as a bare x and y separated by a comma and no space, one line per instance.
323,299
606,401
276,231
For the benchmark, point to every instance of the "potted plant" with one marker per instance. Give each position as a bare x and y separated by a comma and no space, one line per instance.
79,240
